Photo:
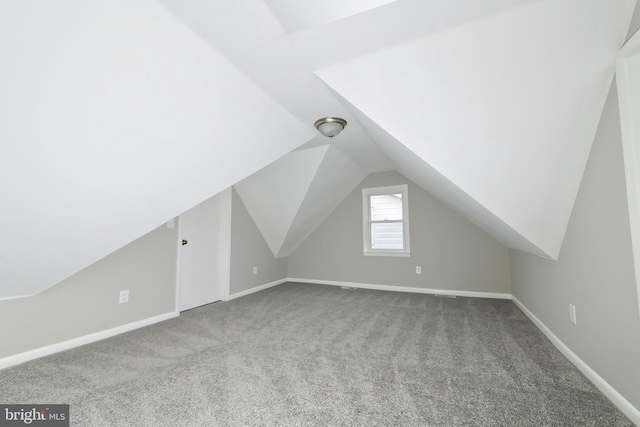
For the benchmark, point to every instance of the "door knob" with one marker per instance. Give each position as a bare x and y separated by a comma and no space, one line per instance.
184,242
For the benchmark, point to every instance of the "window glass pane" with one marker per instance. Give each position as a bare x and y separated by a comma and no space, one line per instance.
385,224
386,207
387,235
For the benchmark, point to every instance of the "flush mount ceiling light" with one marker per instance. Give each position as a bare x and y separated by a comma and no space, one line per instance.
330,126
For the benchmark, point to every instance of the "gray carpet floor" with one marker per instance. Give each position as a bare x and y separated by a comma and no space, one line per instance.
313,355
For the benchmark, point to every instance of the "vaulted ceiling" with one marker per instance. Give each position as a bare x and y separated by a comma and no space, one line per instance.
119,115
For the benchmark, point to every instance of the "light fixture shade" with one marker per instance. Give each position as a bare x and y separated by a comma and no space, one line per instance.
330,126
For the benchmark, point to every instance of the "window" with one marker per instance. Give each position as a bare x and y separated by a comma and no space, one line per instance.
386,221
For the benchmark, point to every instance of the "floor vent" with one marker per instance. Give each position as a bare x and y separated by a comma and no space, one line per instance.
444,296
348,288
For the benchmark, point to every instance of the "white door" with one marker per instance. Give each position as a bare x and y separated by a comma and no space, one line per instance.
202,265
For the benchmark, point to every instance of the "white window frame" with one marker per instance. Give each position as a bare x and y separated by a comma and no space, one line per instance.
366,220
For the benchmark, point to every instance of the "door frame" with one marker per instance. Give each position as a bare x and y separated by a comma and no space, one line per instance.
225,251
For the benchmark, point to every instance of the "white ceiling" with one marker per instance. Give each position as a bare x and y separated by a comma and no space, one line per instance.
504,107
490,106
118,116
294,194
115,119
302,15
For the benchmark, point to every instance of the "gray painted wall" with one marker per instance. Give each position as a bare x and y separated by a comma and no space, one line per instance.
87,302
595,270
453,253
248,250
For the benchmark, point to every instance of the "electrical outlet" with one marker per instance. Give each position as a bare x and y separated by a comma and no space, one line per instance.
572,314
255,270
124,296
418,269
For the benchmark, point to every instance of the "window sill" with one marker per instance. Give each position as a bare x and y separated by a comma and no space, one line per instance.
393,254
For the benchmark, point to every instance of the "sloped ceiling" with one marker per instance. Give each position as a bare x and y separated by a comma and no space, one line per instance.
490,106
115,119
117,116
504,107
287,210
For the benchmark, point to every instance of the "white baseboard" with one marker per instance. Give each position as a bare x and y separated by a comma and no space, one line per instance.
19,358
616,398
256,289
406,289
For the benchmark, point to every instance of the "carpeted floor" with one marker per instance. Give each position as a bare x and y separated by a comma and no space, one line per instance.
313,355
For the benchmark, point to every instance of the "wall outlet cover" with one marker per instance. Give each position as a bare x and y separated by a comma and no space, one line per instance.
572,314
124,296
